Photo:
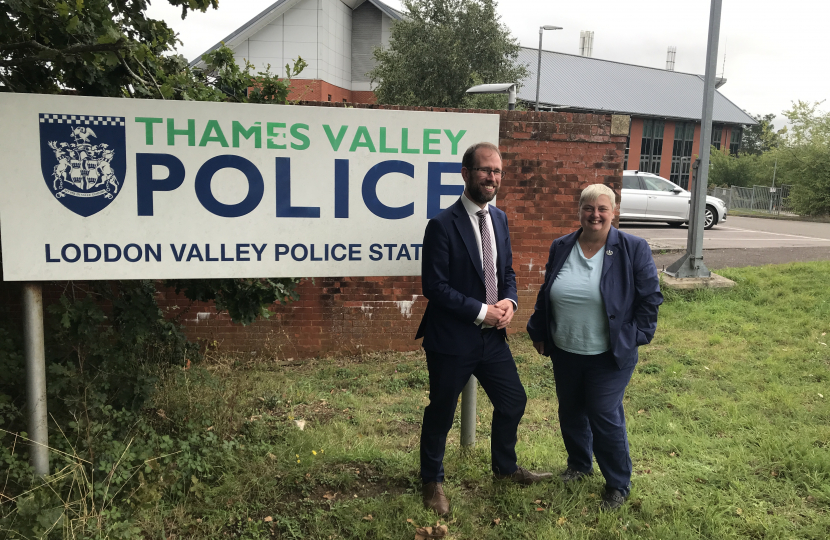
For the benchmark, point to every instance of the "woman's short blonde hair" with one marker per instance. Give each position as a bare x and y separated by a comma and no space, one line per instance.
593,192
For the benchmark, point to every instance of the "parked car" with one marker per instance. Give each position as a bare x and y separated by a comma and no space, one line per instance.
648,197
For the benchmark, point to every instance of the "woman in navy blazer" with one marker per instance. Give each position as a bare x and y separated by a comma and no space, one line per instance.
598,304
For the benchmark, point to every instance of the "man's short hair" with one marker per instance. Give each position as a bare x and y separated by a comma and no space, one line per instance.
469,159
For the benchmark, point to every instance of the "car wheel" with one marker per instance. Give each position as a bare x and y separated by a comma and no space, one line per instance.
675,223
709,217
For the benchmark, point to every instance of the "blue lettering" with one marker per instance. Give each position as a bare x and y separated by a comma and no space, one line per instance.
77,253
341,188
391,247
242,252
370,187
96,257
417,248
148,250
435,189
283,180
207,254
127,255
403,252
294,254
146,184
312,254
194,253
258,251
49,256
375,253
222,255
354,252
334,256
256,186
178,254
278,250
108,257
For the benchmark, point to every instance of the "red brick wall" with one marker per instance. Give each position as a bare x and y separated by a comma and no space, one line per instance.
548,156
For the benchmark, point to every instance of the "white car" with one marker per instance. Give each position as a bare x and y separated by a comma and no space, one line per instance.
648,197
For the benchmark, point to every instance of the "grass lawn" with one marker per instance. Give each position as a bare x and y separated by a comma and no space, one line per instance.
728,418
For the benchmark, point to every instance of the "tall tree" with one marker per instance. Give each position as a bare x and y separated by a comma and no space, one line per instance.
762,136
807,158
440,49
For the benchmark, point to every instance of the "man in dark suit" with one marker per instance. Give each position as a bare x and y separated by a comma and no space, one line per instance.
468,278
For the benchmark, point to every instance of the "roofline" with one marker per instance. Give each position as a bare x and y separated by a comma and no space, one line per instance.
391,12
612,61
701,77
570,108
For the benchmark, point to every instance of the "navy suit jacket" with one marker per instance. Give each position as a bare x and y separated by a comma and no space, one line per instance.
453,279
630,290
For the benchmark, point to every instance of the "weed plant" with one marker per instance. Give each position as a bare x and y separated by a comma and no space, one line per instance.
727,418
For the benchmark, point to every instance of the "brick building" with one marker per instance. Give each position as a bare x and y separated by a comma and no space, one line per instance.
335,38
665,107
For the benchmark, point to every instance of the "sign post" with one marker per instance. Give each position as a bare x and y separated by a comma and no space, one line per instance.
35,377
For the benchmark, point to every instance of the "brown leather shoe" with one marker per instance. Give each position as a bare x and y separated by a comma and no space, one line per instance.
435,500
525,477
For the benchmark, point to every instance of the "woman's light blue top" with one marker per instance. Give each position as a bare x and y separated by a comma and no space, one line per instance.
581,325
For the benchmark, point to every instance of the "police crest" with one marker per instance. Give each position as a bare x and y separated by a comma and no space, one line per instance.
83,159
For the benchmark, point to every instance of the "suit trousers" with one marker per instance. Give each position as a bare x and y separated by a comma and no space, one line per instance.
490,360
590,390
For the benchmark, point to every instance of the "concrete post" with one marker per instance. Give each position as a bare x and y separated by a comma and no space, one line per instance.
35,377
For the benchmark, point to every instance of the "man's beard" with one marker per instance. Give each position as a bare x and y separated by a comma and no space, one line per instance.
478,196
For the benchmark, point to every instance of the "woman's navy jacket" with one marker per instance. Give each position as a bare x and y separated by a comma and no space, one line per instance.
630,290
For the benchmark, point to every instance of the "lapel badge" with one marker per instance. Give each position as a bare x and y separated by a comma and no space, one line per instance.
609,252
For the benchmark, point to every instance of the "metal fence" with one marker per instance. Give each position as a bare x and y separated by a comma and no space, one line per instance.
757,199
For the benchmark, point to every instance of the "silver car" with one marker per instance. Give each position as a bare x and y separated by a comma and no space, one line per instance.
648,197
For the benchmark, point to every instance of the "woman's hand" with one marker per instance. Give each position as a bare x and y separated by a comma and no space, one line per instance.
540,346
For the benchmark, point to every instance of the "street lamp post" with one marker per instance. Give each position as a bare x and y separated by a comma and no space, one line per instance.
539,63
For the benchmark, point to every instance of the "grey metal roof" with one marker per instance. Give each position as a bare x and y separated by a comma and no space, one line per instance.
273,11
578,82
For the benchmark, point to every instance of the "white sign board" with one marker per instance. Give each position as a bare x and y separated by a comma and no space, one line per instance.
106,188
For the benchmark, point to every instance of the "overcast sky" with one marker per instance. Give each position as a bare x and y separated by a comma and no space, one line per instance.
776,51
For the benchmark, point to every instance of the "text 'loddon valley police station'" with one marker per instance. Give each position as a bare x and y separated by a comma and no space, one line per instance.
91,253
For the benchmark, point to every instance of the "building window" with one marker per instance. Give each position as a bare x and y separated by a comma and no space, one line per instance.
651,147
344,100
329,97
735,140
717,135
681,157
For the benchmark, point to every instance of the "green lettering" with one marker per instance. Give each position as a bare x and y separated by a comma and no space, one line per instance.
383,147
255,130
335,141
304,141
362,139
148,127
208,136
405,143
172,132
271,128
454,139
428,141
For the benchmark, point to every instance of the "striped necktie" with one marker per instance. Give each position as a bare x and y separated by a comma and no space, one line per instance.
490,282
